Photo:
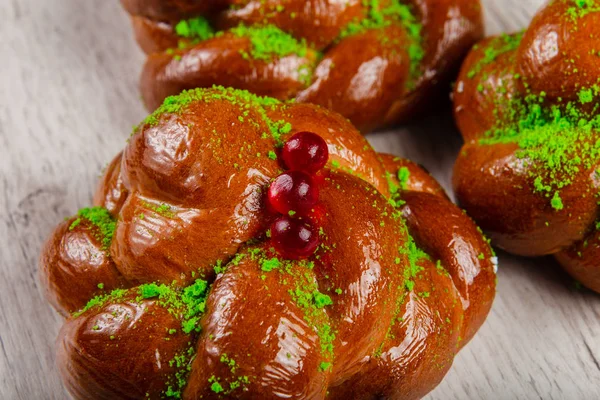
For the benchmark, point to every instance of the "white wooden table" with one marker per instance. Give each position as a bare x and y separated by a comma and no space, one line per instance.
68,99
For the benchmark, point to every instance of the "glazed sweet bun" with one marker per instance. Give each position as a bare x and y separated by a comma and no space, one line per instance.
376,62
527,107
241,247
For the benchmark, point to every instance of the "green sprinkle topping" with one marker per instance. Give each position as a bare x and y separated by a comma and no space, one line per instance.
403,176
188,304
556,142
101,219
586,96
324,366
150,290
322,300
196,28
394,13
269,41
162,209
497,46
178,104
556,201
99,301
305,293
219,267
242,98
414,255
235,381
581,8
270,265
216,387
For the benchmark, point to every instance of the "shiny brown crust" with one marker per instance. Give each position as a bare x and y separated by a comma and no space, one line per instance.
362,77
397,325
496,186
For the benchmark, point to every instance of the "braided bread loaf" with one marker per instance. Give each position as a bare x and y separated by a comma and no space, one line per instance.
376,62
527,107
172,289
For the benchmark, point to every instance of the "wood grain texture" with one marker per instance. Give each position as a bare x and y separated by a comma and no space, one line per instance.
68,99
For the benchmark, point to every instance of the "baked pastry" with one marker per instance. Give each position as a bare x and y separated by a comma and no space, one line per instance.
206,269
527,107
376,62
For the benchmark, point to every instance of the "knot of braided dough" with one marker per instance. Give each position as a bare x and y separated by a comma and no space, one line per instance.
191,301
375,62
527,107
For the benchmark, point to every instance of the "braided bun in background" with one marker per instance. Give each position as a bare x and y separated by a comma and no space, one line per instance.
527,107
375,62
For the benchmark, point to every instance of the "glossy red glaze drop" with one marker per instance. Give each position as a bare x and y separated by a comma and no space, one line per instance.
294,239
305,151
293,191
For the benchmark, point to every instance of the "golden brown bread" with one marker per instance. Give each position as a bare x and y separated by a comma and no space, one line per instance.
527,107
375,62
174,291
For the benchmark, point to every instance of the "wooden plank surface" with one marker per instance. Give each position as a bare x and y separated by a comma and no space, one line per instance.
68,99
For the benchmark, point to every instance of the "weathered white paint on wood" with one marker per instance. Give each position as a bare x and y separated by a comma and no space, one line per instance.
68,99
